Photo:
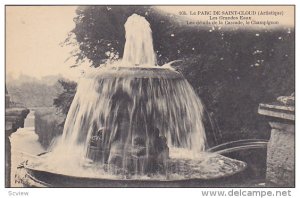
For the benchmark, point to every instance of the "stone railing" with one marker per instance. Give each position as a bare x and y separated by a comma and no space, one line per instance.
281,146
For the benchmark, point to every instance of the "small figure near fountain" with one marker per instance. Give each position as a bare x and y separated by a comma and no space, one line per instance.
95,151
287,100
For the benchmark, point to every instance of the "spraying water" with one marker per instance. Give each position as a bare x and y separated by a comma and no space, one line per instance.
138,48
131,120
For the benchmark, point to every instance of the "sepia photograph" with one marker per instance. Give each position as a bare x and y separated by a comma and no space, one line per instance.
150,96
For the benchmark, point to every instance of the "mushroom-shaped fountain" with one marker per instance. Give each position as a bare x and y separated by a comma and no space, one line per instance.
132,123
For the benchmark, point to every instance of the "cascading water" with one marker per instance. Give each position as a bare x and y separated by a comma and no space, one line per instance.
119,116
138,120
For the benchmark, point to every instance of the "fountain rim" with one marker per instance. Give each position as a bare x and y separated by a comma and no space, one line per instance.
27,167
136,72
137,180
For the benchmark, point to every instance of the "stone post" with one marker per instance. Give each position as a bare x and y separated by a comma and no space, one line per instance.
281,146
14,119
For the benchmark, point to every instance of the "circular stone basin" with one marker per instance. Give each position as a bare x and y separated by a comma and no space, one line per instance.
209,170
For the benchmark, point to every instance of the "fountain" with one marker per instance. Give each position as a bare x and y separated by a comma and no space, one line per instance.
132,120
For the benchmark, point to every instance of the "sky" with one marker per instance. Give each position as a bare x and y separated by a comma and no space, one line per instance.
33,35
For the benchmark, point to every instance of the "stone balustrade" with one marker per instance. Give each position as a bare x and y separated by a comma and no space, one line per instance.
281,146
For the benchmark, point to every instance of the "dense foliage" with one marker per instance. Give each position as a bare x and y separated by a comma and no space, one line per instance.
232,70
64,100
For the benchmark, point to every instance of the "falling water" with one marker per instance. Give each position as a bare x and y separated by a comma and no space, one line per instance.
118,114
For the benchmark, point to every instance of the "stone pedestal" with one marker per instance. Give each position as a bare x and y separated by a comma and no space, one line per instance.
281,146
14,119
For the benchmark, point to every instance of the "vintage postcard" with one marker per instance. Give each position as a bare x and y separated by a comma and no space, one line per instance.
150,96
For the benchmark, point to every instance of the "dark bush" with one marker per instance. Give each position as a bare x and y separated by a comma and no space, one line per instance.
48,125
64,100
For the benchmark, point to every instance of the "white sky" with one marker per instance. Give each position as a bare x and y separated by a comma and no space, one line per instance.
33,35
